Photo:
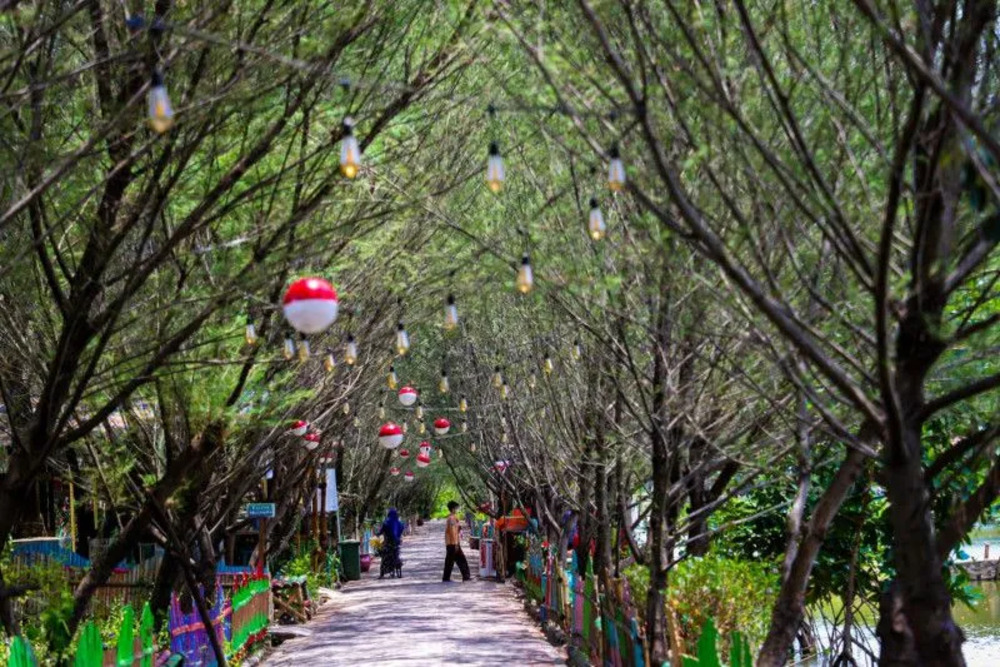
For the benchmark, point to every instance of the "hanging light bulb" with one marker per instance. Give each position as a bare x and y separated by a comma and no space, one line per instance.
350,151
351,351
289,349
402,339
503,437
420,412
329,363
497,377
547,365
405,426
472,447
443,385
421,428
463,405
347,408
532,381
303,349
525,277
357,423
391,379
161,113
465,426
595,223
250,334
616,169
494,168
504,392
450,313
381,412
577,350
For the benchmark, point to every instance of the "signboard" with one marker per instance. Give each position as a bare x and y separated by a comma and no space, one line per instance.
332,502
260,510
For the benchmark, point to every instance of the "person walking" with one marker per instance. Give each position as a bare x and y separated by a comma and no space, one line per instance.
453,545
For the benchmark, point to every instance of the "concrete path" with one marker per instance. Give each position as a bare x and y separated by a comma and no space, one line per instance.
418,620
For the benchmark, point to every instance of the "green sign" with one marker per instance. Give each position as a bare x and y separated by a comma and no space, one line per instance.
260,510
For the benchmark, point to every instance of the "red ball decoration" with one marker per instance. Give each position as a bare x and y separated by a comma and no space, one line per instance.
310,305
425,448
299,428
404,453
390,435
441,425
408,476
423,460
394,471
407,396
311,441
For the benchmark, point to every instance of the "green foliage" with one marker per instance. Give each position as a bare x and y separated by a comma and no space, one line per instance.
708,649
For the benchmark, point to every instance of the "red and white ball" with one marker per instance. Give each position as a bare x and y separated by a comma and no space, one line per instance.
404,453
310,305
299,428
423,460
408,476
441,426
425,448
390,435
394,471
407,396
311,441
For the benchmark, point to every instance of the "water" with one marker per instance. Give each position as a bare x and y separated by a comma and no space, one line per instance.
982,625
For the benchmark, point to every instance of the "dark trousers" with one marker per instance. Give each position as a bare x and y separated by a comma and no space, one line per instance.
453,556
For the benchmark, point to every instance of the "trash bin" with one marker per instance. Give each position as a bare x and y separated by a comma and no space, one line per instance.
350,560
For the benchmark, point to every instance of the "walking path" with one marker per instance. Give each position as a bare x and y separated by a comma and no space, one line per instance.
419,620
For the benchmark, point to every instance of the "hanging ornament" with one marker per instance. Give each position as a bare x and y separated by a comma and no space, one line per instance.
303,349
504,392
407,396
310,305
419,414
299,428
405,426
381,411
472,447
440,453
441,426
288,349
463,405
503,437
494,168
351,351
525,277
532,381
421,428
408,476
425,448
394,471
547,365
250,334
443,385
501,466
465,427
497,377
329,363
595,222
350,151
311,441
390,435
450,313
404,453
357,423
423,460
161,113
347,408
402,339
577,351
392,380
616,169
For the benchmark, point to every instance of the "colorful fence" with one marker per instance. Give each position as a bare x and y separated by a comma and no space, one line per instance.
251,614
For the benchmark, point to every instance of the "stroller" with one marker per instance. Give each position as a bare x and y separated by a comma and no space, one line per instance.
390,562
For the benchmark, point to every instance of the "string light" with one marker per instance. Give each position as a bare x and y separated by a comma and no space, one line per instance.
532,381
351,351
472,447
289,348
161,113
303,349
616,169
504,392
525,276
421,428
381,412
347,408
503,437
463,405
494,168
450,313
465,428
391,379
329,363
595,223
350,151
547,365
250,334
357,423
577,351
497,377
402,339
420,411
444,386
405,426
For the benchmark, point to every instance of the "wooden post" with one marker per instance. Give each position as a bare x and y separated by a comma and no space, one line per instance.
324,537
986,552
262,545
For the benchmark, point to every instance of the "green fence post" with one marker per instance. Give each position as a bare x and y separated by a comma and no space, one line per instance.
146,636
126,638
21,654
89,651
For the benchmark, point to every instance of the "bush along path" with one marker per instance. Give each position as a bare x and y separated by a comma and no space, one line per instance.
421,620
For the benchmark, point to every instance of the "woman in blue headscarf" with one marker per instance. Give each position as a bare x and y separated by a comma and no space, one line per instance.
392,536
